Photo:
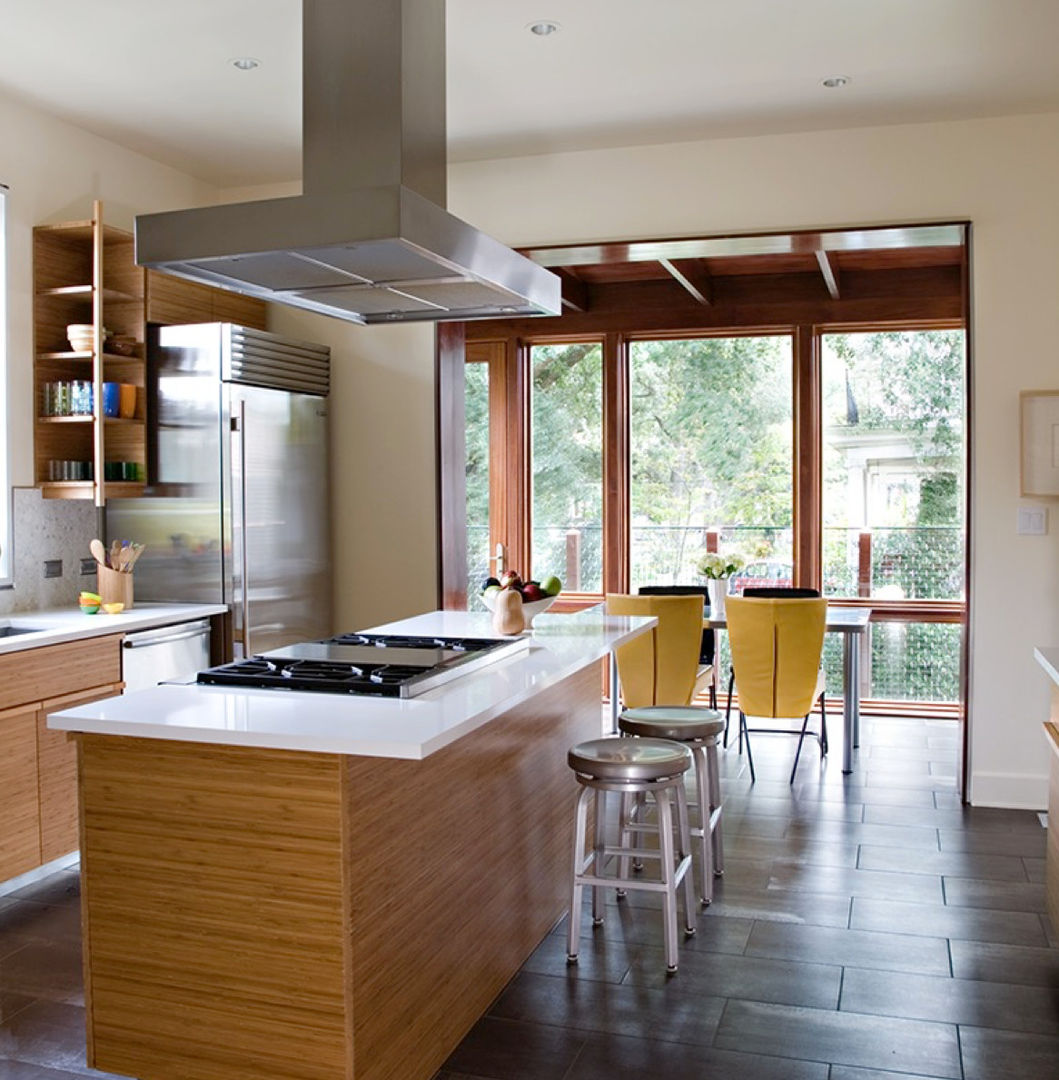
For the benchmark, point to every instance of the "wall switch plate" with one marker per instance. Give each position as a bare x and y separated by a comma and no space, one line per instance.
1033,521
88,566
53,568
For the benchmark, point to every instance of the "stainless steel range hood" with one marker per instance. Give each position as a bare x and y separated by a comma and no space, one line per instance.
368,240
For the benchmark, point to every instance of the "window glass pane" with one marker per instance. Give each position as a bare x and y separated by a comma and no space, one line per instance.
476,403
567,465
893,464
711,449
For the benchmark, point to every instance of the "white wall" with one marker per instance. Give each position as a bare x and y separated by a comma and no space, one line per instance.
1000,174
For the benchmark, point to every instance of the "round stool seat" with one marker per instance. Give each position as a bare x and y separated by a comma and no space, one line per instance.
629,759
680,722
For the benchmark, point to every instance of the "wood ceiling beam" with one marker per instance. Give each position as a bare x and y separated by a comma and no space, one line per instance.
829,272
693,277
575,291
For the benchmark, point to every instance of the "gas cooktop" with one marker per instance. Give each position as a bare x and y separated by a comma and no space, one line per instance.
381,665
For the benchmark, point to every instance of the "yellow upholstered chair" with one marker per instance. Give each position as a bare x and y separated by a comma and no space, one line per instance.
660,672
776,646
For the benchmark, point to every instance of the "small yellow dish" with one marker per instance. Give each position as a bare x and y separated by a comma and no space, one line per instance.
113,609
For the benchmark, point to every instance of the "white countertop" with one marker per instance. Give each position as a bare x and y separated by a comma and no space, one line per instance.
367,726
70,624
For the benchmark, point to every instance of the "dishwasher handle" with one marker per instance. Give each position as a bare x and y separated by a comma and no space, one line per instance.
134,642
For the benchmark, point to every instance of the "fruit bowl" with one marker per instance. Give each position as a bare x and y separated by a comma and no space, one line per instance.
530,608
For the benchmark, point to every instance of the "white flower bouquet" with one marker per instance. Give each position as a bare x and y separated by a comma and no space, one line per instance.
714,565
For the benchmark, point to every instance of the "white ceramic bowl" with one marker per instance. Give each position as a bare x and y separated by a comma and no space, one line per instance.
530,609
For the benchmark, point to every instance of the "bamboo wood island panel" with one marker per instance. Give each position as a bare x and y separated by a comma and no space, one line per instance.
1051,866
253,914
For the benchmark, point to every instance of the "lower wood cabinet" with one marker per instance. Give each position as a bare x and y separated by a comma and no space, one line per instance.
57,771
38,766
19,804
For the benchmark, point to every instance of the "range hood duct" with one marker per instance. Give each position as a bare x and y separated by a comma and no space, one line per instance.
368,240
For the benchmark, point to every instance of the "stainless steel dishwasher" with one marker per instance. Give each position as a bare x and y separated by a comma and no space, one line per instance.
149,657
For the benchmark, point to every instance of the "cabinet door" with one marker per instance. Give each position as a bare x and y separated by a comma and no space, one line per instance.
173,301
241,310
57,768
19,815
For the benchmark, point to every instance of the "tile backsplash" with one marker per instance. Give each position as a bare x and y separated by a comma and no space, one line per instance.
46,530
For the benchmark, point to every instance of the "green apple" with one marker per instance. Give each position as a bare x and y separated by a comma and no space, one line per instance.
489,590
551,586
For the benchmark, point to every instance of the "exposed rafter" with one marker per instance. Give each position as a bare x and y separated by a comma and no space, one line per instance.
575,291
693,276
829,272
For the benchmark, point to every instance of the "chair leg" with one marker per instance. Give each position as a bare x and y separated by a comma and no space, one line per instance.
597,864
684,833
669,870
716,835
823,726
577,890
744,733
705,798
625,811
797,753
728,707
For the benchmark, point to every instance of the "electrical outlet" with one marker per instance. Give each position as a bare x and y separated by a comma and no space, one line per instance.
1032,521
88,566
53,568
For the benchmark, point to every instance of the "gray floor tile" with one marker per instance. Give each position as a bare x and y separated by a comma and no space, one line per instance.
1034,869
842,1038
953,1001
858,948
63,887
44,970
602,958
846,882
851,1072
996,895
672,1011
781,906
754,978
905,836
994,842
967,864
24,921
508,1050
611,1058
933,920
870,796
1005,963
1006,1055
46,1033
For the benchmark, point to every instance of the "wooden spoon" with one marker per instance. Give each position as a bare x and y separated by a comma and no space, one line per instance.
99,552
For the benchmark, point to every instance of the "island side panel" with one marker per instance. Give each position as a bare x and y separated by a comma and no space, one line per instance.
1051,866
213,911
459,865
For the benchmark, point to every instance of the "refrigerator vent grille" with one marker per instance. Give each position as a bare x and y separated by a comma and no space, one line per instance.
255,358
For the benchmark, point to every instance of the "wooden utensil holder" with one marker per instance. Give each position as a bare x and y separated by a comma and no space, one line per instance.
114,587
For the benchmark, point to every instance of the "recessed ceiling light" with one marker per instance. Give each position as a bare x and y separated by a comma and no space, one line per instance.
832,82
543,28
245,63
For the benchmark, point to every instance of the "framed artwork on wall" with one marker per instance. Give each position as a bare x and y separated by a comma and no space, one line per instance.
1039,442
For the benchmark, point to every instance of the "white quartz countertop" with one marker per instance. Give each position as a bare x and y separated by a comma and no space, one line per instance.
70,624
1048,657
369,726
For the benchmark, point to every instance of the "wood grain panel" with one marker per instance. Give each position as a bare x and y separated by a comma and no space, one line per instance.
242,310
57,775
458,866
1051,866
214,911
19,816
172,301
33,675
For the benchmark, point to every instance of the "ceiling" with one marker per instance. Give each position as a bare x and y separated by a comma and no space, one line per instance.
156,76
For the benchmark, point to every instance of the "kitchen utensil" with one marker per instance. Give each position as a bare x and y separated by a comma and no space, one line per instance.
99,552
115,550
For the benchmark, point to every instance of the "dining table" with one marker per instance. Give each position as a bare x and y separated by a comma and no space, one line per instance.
851,623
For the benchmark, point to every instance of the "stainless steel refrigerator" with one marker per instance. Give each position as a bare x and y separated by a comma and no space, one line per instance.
236,504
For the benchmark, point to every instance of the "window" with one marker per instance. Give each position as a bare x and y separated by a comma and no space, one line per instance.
710,450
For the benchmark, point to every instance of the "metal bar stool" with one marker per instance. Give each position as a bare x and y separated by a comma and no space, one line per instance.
632,767
698,729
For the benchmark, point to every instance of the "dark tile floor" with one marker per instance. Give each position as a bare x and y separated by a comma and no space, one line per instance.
867,928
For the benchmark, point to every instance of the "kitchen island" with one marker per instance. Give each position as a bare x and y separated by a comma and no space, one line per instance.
316,886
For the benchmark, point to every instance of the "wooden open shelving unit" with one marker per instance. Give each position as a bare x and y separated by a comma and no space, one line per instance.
84,272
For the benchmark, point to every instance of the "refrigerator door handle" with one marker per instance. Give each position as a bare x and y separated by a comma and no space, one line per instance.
244,576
